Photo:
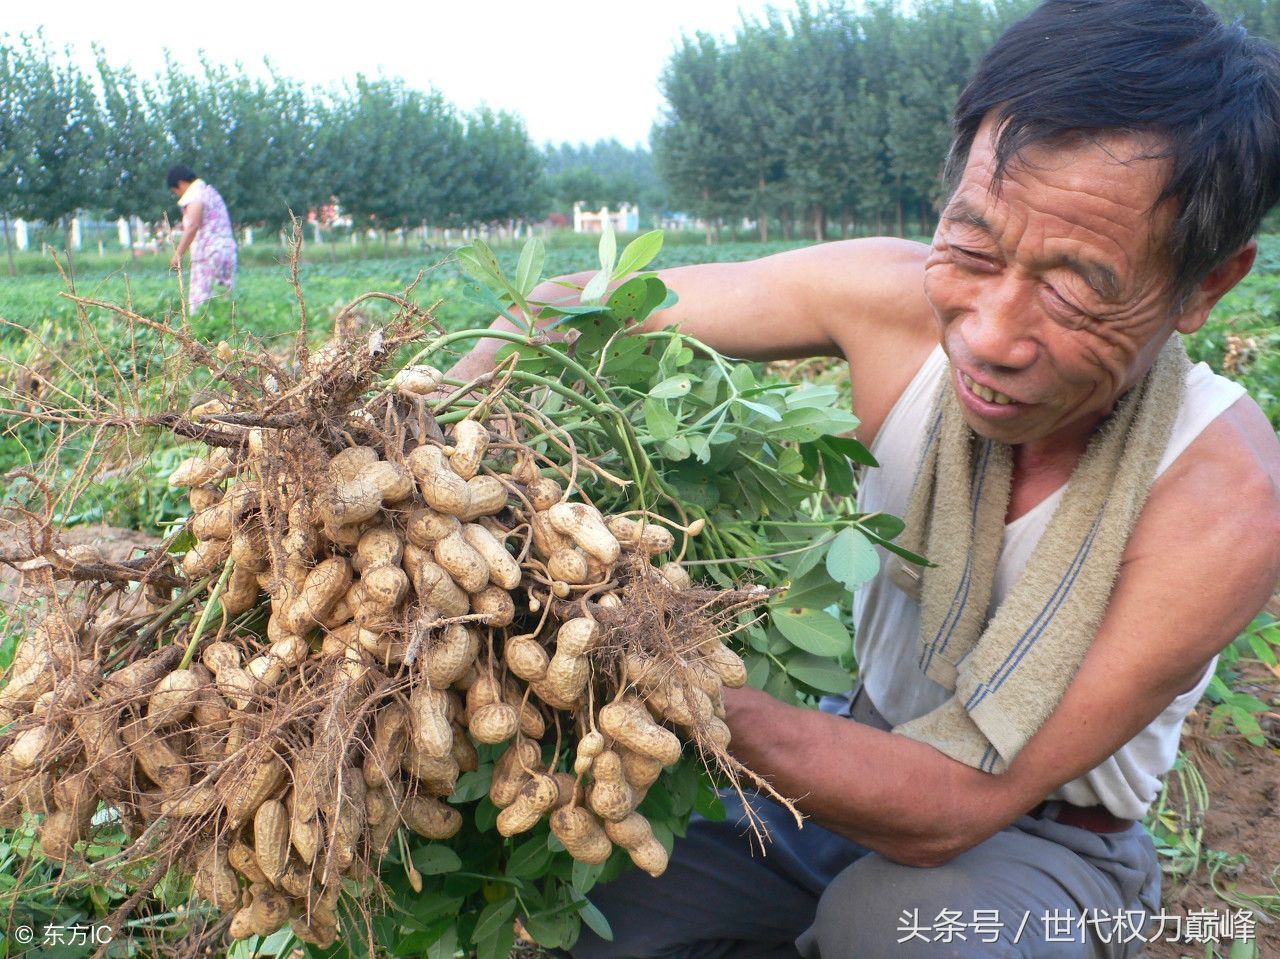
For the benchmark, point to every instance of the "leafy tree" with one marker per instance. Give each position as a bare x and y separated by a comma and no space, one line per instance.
504,171
605,172
766,117
13,134
389,154
689,141
55,164
133,145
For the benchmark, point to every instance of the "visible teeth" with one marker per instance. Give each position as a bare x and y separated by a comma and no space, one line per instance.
990,395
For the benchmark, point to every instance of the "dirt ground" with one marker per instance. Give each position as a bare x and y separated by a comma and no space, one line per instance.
115,544
1243,818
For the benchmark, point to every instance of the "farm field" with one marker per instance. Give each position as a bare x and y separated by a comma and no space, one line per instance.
1214,826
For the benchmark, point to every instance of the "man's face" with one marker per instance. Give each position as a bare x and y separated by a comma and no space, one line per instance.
1053,297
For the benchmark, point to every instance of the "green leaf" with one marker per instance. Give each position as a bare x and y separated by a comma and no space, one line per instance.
700,448
556,930
638,254
671,388
486,815
636,298
584,876
446,946
813,630
1262,649
429,907
897,550
814,590
608,249
1218,690
477,266
495,917
883,525
682,785
696,489
659,421
471,786
790,462
852,560
596,921
742,377
529,270
850,447
838,472
8,648
813,394
595,289
801,563
757,670
435,860
627,363
667,365
1247,723
810,424
498,945
768,412
708,803
485,298
781,687
677,448
818,673
529,860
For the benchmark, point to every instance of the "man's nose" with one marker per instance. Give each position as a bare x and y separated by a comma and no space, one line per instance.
999,329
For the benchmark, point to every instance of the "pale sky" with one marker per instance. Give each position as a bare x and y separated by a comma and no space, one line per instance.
576,70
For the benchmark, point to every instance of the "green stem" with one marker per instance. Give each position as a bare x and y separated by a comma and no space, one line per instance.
204,614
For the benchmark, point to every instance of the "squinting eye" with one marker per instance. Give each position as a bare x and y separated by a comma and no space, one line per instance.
1068,314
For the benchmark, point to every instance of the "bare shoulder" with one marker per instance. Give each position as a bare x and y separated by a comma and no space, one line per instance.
888,329
1230,473
1212,523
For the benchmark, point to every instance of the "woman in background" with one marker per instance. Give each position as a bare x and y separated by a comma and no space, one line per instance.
206,231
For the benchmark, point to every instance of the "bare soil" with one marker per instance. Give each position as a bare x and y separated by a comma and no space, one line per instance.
115,544
1242,820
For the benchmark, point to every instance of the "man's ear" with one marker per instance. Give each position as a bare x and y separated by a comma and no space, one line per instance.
1214,286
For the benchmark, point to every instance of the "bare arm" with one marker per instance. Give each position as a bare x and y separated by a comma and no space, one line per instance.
1166,620
192,220
814,301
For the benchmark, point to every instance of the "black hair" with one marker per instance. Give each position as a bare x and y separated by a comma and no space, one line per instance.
1207,89
179,173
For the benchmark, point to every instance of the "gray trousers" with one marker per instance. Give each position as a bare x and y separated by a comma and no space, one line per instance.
1036,889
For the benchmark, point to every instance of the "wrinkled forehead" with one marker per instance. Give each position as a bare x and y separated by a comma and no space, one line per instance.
1103,180
995,153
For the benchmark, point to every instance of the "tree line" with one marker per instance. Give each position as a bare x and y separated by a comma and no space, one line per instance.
829,120
102,140
822,121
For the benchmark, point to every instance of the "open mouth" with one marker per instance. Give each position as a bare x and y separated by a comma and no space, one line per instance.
985,393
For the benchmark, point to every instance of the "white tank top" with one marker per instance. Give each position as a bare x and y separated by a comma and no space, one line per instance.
888,620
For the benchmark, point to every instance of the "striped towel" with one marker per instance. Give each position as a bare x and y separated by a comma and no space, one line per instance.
1009,673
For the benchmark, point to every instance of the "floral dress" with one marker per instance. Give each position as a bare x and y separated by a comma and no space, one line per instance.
213,254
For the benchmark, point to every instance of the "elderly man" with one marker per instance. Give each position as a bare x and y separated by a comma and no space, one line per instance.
1104,517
